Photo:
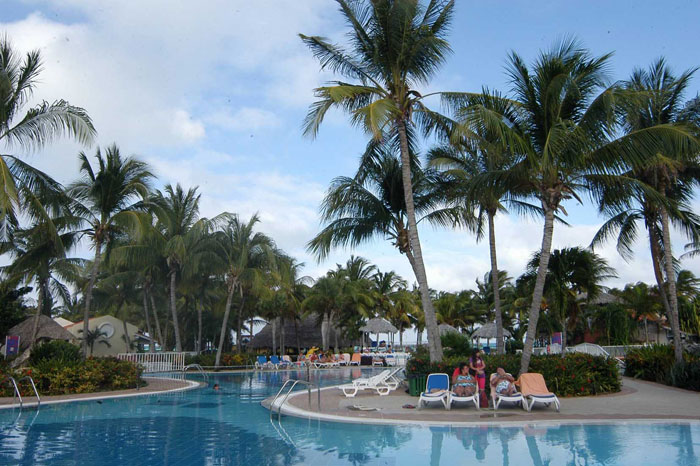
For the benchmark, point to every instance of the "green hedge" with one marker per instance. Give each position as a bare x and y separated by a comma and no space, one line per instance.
52,377
656,363
227,359
576,374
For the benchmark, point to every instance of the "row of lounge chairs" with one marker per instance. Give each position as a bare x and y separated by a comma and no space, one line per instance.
383,383
533,389
276,362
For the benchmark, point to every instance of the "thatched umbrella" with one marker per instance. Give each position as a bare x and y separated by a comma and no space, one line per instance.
48,330
446,328
307,332
378,325
488,331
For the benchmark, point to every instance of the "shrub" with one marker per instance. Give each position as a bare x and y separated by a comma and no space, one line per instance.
57,351
576,374
92,375
455,344
656,363
227,359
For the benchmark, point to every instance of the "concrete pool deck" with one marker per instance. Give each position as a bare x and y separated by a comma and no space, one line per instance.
154,385
638,400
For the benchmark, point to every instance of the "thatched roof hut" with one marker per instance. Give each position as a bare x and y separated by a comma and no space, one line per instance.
379,325
446,328
488,330
309,335
48,330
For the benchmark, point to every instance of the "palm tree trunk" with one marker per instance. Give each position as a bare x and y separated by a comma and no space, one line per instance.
224,323
296,334
282,348
151,346
656,263
539,287
273,322
646,331
199,326
88,292
37,317
500,347
239,330
324,331
156,319
434,344
671,279
173,311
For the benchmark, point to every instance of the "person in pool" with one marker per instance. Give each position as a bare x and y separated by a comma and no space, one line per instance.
464,383
216,387
503,383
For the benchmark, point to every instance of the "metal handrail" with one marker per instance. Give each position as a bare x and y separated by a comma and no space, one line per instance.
17,392
36,392
199,369
284,400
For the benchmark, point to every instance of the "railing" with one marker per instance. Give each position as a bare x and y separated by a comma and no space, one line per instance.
293,384
620,351
198,368
18,394
156,362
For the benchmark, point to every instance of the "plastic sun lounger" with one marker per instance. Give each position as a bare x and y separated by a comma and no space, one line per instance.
534,389
439,382
287,361
356,359
497,398
454,398
277,362
262,362
346,359
377,383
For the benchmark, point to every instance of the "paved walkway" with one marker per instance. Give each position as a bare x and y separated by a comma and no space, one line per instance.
637,400
154,385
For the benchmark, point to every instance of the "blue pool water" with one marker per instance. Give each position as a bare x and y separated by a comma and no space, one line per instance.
204,427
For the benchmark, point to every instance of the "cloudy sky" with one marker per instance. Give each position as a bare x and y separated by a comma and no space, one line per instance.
213,94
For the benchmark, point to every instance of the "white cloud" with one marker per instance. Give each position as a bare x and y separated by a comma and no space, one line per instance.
186,128
244,119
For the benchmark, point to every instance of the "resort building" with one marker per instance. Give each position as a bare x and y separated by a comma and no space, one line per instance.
116,336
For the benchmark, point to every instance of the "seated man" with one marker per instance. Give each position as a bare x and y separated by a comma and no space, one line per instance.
463,382
502,383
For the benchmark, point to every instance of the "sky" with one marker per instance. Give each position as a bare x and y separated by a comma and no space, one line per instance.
213,94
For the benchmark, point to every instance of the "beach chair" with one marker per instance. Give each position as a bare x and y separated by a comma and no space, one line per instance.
454,398
376,383
262,362
356,359
497,398
534,389
440,382
287,361
278,362
346,359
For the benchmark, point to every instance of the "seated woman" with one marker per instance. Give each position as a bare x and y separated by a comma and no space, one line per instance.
463,382
502,383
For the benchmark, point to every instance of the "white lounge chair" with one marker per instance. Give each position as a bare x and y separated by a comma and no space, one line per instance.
454,398
440,382
497,398
377,383
345,359
534,388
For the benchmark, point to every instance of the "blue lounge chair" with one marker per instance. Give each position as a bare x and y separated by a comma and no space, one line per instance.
262,362
277,362
437,388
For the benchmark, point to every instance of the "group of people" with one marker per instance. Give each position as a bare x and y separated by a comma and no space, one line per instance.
471,376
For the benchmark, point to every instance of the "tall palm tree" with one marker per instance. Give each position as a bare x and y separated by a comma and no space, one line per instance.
641,304
668,179
574,275
107,201
564,136
395,46
35,129
245,254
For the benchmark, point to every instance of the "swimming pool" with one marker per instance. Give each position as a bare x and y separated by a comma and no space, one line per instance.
204,427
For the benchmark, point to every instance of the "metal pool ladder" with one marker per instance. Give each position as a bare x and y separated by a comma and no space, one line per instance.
199,369
17,393
291,383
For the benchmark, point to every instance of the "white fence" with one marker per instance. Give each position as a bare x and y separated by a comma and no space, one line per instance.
156,362
620,351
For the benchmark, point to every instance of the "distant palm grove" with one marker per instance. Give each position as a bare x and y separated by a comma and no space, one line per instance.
562,131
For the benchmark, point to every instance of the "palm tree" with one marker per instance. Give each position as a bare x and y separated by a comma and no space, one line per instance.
94,336
668,179
574,275
562,134
640,302
35,129
182,239
39,252
395,46
108,199
245,255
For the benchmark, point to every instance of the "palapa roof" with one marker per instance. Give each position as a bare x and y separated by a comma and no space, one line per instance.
447,328
378,325
488,330
48,330
309,335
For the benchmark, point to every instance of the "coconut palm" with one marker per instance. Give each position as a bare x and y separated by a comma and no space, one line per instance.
563,133
574,276
107,202
38,127
245,254
669,179
641,304
395,46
